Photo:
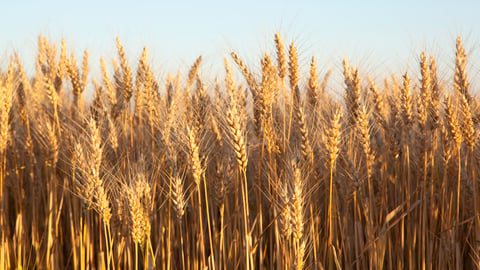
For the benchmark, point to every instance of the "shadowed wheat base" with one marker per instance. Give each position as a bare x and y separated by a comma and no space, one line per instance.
268,171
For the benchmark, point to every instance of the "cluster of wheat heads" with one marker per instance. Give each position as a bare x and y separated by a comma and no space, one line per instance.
270,172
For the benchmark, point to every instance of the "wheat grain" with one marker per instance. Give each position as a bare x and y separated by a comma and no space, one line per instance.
435,96
126,72
195,163
252,84
192,73
136,216
312,94
237,137
74,77
460,79
281,57
406,100
364,132
111,93
352,95
297,203
285,212
293,66
178,197
468,128
453,126
84,79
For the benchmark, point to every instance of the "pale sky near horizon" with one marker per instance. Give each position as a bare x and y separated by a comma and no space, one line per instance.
378,36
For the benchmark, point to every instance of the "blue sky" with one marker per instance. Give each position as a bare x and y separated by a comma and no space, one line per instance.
378,36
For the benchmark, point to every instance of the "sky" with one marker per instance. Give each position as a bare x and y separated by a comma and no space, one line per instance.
380,37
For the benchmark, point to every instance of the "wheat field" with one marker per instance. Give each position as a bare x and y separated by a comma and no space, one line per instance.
260,171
